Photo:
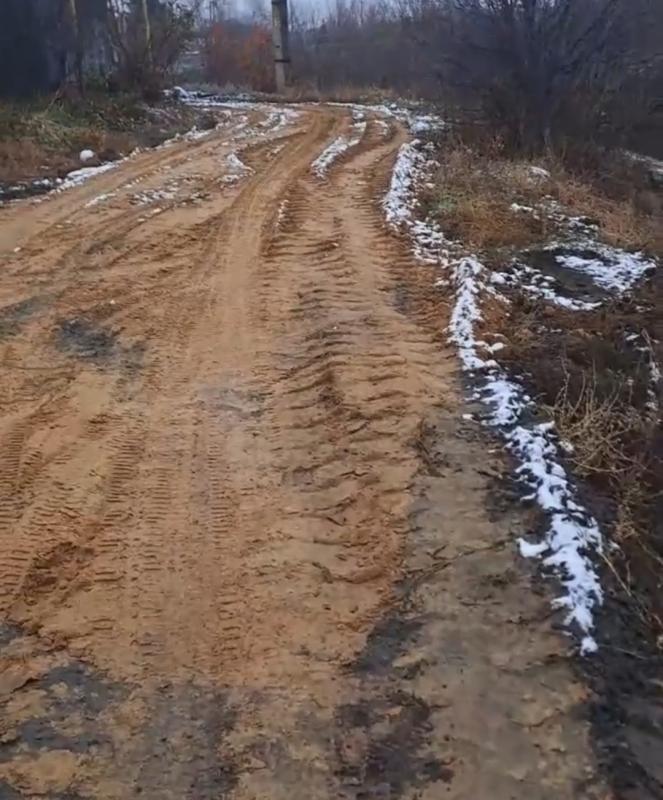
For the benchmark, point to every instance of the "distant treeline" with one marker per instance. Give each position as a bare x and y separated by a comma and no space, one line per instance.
538,73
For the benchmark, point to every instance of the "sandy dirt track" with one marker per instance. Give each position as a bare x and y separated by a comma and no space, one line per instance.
248,548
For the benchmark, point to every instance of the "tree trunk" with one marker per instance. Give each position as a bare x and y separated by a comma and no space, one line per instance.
148,35
281,42
78,45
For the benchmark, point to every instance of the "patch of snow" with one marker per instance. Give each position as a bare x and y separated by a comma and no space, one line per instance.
534,282
609,268
280,214
151,196
235,163
87,155
102,198
539,172
80,176
517,208
237,169
572,533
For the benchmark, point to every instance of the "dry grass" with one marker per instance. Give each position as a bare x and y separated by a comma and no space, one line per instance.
473,195
596,389
308,92
476,188
633,222
45,139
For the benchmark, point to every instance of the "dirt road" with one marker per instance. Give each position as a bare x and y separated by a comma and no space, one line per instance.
248,547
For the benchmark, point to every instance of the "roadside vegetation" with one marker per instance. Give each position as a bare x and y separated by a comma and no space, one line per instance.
595,373
44,138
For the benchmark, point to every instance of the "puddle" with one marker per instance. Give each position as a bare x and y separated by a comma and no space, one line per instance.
572,282
23,189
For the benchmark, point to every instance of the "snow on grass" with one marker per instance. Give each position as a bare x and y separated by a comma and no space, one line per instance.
572,539
411,169
572,534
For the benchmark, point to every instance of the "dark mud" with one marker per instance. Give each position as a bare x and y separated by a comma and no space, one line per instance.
626,710
572,283
160,742
26,189
14,316
87,340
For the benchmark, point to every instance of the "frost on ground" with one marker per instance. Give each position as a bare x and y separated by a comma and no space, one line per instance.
609,268
339,146
572,535
572,540
237,169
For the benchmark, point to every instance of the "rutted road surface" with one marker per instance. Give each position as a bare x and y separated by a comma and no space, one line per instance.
248,548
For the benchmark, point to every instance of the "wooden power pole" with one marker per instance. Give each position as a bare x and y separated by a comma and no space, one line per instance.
281,41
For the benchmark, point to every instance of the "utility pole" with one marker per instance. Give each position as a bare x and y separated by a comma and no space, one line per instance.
281,42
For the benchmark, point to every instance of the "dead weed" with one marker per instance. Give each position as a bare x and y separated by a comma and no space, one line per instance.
597,390
479,195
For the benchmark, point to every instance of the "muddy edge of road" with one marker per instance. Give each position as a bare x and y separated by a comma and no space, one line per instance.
463,688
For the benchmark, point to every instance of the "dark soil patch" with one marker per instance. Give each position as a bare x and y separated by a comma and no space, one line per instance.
85,339
572,281
177,742
552,350
12,317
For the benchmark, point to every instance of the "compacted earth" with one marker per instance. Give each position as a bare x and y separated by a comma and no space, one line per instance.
250,545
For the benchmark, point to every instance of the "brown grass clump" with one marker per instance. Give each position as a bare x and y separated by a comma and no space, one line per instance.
44,138
473,195
477,187
629,222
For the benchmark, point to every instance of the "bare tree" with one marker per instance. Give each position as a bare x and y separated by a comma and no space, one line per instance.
78,44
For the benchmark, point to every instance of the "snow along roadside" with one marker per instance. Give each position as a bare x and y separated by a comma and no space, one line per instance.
572,539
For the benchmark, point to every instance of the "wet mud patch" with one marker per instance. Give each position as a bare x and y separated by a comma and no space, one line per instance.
68,730
24,189
381,749
571,283
87,340
626,709
13,317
